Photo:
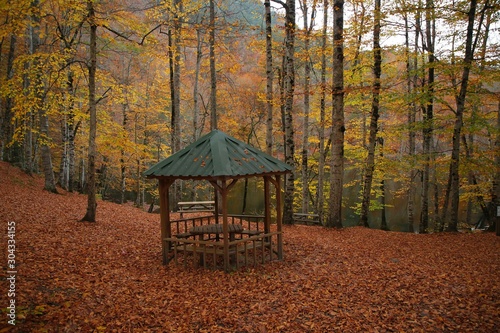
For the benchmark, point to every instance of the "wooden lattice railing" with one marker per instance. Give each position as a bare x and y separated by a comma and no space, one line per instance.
246,251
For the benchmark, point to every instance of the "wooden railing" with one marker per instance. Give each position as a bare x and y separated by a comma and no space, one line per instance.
183,225
247,251
249,247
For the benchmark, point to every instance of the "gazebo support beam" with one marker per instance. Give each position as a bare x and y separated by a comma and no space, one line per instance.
223,188
164,186
279,217
267,205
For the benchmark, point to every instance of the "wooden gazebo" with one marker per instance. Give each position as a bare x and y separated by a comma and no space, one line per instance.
221,160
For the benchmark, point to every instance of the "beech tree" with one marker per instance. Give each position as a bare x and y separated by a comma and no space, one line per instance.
338,127
372,138
90,215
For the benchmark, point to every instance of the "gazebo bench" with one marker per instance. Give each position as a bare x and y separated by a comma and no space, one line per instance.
306,218
250,232
184,235
218,250
196,207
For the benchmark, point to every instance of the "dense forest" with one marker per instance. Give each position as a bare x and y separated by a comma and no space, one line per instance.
384,108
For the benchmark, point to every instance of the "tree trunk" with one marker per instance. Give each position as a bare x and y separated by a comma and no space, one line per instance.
123,167
289,83
6,153
338,127
321,163
38,87
383,224
460,100
370,161
213,77
269,79
174,56
428,128
90,216
305,131
410,88
495,188
50,181
196,104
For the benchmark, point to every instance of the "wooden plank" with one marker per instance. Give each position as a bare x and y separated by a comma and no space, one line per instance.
306,218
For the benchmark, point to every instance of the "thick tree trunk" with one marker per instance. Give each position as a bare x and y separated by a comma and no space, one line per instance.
338,127
90,215
370,161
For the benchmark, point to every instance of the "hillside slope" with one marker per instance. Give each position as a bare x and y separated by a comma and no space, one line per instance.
108,277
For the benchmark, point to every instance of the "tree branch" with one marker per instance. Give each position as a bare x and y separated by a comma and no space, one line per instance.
281,3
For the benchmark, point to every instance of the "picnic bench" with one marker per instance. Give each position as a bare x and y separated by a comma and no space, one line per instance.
217,229
196,206
306,218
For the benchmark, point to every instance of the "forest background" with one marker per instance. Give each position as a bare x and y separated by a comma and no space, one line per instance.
388,111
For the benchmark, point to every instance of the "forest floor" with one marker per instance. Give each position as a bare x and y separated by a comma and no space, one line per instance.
108,276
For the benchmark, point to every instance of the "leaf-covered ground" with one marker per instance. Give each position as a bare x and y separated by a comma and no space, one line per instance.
108,276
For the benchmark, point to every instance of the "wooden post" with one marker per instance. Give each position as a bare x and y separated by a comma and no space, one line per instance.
216,202
279,217
166,232
225,231
267,206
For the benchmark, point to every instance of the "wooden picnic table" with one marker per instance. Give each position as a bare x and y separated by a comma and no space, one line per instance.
196,206
216,229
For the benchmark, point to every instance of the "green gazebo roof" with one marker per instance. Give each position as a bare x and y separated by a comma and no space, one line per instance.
217,155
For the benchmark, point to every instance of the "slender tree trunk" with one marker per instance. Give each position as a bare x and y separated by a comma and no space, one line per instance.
38,86
370,161
72,130
6,153
307,92
213,77
383,224
460,100
174,56
289,84
90,215
50,181
321,163
495,188
123,167
410,87
428,128
196,104
269,79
